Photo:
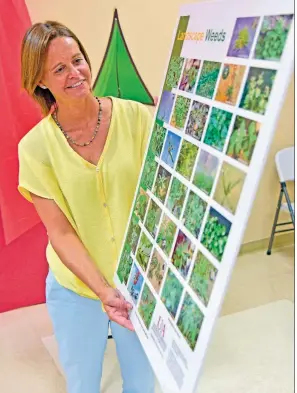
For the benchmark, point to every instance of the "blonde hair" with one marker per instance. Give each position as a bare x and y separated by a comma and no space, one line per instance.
33,54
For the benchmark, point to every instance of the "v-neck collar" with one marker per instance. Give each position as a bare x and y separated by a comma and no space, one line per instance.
105,148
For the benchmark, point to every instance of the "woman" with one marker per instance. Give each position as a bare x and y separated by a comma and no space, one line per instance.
80,166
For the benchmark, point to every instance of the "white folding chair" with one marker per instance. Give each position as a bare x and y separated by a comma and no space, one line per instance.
284,160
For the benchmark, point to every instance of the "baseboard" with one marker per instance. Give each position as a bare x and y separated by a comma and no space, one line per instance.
280,241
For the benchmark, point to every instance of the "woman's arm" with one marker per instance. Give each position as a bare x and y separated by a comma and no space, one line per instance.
75,257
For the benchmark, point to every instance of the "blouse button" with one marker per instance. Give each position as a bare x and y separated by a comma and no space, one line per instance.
105,204
113,239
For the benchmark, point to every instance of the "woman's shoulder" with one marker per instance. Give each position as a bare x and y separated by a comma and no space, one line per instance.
126,107
35,138
34,143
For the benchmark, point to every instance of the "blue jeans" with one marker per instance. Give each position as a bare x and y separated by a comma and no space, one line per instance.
81,330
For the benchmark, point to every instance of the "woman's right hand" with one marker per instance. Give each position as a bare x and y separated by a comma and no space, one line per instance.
116,307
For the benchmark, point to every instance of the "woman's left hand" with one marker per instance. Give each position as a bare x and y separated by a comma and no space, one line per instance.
117,308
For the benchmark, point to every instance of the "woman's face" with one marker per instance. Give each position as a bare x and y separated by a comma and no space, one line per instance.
66,73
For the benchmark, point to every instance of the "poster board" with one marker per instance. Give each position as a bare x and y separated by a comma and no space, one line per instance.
226,80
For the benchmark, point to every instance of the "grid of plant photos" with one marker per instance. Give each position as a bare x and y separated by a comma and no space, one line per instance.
206,129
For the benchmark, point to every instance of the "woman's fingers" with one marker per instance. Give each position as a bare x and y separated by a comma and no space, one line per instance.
119,316
120,303
111,311
118,308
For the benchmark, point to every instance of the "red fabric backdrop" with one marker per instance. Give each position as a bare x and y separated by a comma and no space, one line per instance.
22,238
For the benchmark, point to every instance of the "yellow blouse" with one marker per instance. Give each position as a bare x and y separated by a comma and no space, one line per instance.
95,199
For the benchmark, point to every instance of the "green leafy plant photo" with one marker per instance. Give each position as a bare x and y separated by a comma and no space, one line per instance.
205,172
217,129
157,139
162,184
243,140
149,171
125,266
215,234
176,197
273,37
257,90
147,306
133,233
141,204
156,271
174,72
197,120
194,213
182,254
203,278
144,252
186,159
190,321
171,293
166,234
208,79
180,112
153,218
229,187
189,75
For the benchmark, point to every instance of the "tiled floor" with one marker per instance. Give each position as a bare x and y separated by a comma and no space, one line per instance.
27,367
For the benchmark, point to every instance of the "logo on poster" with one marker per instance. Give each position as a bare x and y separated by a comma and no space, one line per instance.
210,35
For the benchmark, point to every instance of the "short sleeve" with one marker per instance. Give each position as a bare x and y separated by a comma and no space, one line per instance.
146,125
34,176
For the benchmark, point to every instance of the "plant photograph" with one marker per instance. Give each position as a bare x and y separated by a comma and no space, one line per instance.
135,283
157,139
166,234
229,187
180,112
171,293
197,120
162,184
149,171
215,234
190,321
230,83
243,37
176,197
243,140
171,147
153,218
144,252
273,37
257,90
194,213
141,203
174,72
186,159
217,129
156,271
190,75
125,266
147,306
205,172
208,79
183,254
165,107
133,233
203,278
